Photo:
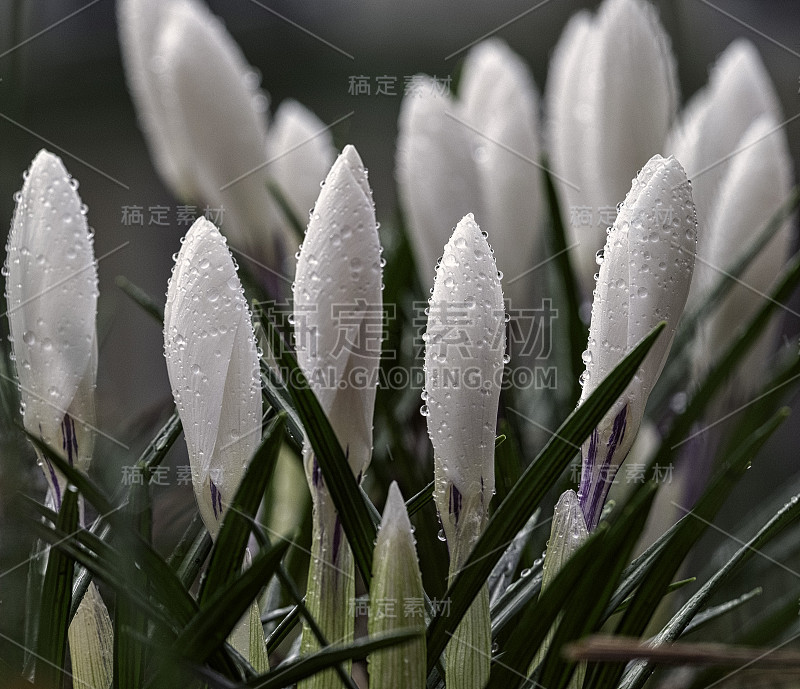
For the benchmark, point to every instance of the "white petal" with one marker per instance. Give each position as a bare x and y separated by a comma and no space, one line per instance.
758,181
300,150
436,175
212,363
500,102
630,99
218,117
715,119
51,288
140,22
663,240
566,128
644,279
465,341
338,306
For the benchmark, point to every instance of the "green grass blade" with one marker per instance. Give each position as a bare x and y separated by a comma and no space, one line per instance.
577,332
585,604
637,675
674,375
228,553
664,566
418,501
523,499
339,480
207,632
190,536
298,227
86,487
131,622
51,647
710,614
142,298
674,586
295,670
719,373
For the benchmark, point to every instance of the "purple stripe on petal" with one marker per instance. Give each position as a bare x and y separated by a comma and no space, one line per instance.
617,432
216,499
69,443
455,502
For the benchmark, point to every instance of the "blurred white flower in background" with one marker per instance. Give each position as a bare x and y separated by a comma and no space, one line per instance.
476,153
733,145
610,98
205,120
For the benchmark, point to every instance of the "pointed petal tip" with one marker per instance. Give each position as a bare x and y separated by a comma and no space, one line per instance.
394,512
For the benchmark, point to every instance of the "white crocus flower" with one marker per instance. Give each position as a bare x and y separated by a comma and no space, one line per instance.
465,341
757,182
712,124
205,120
213,367
481,152
51,291
139,23
644,279
338,316
500,103
217,117
437,179
610,99
300,152
396,578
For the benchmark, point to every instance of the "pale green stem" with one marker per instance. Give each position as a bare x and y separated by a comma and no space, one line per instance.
469,652
330,594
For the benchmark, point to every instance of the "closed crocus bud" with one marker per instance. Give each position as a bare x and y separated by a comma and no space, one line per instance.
465,341
437,179
713,122
644,279
213,367
51,292
611,98
396,582
300,150
757,182
216,116
499,102
338,315
212,362
567,534
91,642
